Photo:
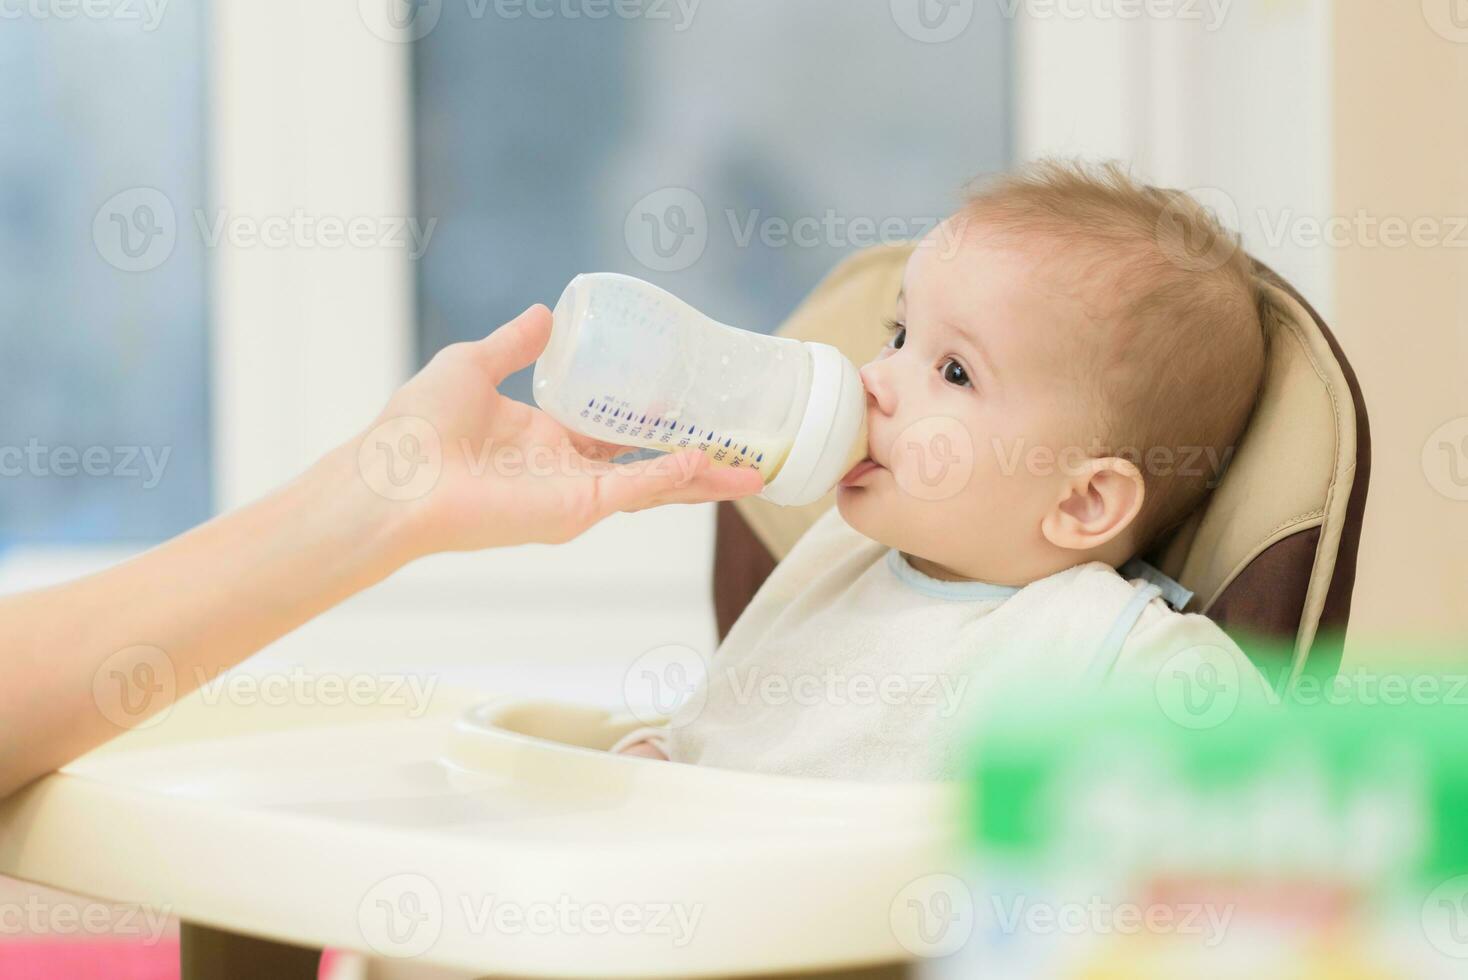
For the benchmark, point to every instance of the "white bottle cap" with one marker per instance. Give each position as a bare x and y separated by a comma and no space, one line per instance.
823,442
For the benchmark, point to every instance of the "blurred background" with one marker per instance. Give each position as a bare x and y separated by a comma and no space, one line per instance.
228,229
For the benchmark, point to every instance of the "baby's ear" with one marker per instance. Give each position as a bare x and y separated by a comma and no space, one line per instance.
1097,502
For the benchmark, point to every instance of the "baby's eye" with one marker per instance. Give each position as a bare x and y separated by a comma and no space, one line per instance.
899,334
955,374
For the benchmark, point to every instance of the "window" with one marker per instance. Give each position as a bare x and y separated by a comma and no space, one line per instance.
104,436
731,152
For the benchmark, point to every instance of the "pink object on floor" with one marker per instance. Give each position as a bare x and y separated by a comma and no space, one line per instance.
331,960
49,959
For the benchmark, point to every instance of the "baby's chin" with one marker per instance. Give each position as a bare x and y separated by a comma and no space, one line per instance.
867,515
890,521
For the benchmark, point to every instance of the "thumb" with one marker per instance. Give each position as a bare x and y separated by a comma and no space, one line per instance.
516,344
681,478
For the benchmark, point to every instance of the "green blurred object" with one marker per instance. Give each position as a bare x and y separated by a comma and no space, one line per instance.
1319,834
1412,757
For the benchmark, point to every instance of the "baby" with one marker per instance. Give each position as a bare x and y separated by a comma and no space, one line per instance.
1048,340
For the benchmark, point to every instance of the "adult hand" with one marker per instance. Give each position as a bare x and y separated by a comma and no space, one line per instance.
470,468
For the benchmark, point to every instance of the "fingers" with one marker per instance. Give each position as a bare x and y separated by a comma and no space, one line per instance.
596,449
516,344
687,477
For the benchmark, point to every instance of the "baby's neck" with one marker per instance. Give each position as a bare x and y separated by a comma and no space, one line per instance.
932,569
942,572
945,574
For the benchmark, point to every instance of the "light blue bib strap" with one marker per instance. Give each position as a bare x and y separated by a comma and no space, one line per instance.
1172,592
1110,648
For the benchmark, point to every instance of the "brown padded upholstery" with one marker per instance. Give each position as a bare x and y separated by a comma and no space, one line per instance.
1271,555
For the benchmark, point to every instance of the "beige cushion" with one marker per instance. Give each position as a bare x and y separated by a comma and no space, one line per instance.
1293,471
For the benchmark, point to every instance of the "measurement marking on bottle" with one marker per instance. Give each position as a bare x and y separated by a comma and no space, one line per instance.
625,424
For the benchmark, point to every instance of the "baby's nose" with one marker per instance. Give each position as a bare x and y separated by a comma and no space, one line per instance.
879,391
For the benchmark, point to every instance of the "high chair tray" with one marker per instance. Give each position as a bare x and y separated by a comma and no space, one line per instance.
497,838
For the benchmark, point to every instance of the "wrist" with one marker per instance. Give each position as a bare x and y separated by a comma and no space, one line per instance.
378,531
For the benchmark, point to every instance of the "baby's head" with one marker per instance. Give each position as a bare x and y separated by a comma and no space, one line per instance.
1068,374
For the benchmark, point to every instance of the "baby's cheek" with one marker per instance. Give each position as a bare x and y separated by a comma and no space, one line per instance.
934,458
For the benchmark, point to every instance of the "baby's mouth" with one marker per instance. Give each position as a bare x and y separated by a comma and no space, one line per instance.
859,472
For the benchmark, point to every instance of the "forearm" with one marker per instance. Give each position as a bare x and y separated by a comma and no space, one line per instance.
192,607
80,663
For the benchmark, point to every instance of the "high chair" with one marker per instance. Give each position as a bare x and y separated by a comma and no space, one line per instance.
275,834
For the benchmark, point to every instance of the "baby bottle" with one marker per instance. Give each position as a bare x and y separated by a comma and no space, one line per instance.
632,364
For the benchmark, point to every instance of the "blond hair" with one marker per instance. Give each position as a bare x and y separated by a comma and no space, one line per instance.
1177,365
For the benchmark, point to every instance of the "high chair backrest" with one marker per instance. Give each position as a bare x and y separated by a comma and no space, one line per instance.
1271,554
